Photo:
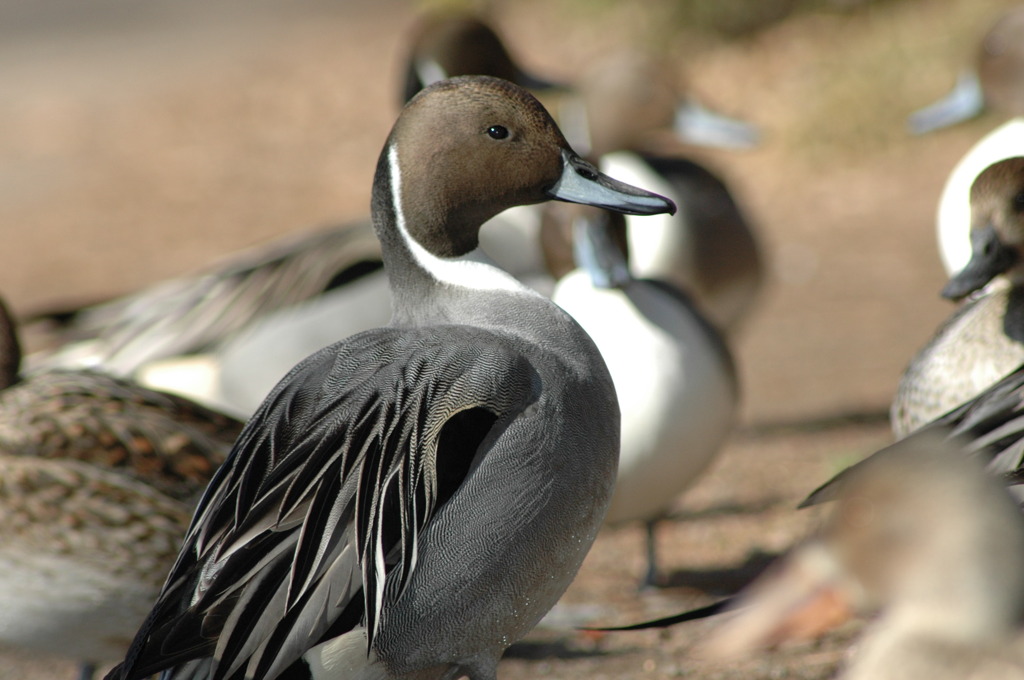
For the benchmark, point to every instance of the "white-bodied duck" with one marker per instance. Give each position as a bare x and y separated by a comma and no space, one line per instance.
925,539
412,500
672,371
996,82
98,478
984,338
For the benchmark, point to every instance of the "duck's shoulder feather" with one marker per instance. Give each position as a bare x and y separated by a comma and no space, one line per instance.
326,491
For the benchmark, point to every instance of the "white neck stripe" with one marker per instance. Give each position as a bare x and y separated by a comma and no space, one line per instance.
456,272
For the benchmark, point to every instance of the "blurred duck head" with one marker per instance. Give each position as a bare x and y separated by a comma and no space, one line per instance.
920,535
574,235
453,43
997,229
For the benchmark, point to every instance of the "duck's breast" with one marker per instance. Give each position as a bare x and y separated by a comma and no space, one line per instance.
979,344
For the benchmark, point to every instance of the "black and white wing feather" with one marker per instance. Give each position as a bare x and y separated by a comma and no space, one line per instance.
311,527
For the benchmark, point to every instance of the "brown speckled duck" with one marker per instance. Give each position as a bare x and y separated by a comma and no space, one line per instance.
98,478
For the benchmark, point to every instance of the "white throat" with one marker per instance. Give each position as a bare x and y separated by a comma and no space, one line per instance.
460,272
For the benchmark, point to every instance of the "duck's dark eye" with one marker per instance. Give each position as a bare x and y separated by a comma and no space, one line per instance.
1018,202
497,132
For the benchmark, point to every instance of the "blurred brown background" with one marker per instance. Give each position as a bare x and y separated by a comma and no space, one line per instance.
142,140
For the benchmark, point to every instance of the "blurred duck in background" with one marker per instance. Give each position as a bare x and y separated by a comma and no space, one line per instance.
98,479
636,119
672,371
452,43
996,82
987,430
197,313
984,338
925,539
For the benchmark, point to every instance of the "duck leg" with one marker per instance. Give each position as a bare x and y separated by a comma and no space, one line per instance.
651,579
87,670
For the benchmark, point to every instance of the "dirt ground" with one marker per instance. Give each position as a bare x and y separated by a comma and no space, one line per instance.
139,141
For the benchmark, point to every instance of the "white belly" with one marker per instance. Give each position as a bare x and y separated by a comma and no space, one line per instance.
676,391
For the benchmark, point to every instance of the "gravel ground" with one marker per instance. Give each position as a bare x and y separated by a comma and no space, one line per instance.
139,142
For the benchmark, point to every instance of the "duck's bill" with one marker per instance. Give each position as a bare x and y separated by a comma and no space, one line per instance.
989,258
582,183
698,125
965,102
797,599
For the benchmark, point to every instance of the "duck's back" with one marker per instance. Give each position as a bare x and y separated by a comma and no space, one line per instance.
162,440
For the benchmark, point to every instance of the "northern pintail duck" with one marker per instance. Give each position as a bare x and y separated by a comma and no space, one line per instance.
634,117
996,82
984,338
98,478
926,539
672,371
412,500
